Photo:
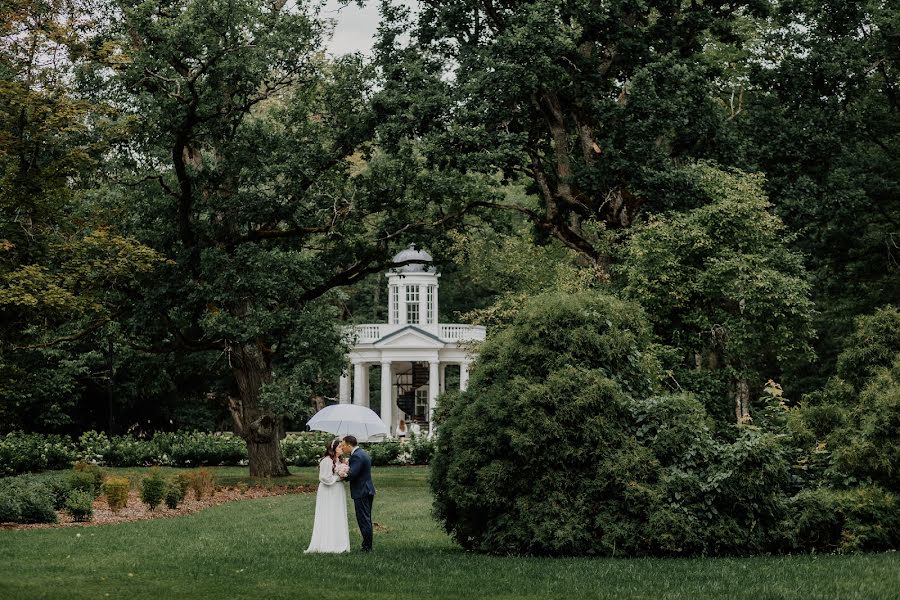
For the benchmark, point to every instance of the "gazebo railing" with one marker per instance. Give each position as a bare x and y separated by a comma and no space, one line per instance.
369,333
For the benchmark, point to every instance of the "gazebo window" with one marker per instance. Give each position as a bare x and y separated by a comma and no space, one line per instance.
421,402
412,304
430,304
395,297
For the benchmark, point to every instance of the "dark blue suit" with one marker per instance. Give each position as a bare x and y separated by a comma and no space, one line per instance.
362,490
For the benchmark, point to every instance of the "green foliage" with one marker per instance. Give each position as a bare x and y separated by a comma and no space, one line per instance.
866,449
510,474
26,500
592,104
184,449
183,481
421,449
153,489
384,453
174,494
850,424
820,119
23,452
80,505
64,268
721,284
116,490
127,451
500,271
576,451
305,449
87,478
828,520
875,343
93,446
58,486
561,330
34,452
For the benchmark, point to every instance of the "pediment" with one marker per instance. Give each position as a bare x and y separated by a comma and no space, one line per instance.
409,337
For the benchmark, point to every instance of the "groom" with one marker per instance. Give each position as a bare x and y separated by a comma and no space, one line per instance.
362,490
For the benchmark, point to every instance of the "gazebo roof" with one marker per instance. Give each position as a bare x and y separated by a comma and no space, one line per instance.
411,253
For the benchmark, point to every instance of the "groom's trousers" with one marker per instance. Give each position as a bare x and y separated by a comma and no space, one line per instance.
364,520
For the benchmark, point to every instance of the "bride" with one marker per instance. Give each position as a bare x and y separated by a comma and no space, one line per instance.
331,533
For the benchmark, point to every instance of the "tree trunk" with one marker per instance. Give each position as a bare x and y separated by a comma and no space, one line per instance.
741,391
259,427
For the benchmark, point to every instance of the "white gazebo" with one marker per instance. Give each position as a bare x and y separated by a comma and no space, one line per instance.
412,349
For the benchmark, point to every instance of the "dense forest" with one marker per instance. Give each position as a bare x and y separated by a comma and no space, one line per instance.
194,196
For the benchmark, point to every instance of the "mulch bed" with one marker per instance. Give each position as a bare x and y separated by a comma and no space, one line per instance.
138,511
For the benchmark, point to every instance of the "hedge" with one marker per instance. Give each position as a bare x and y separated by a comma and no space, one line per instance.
30,452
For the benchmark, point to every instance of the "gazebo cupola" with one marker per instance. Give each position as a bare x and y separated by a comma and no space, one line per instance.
413,291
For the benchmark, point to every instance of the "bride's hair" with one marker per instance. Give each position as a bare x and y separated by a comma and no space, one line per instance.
331,448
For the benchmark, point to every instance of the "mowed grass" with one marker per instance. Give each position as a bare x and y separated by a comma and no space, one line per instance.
254,549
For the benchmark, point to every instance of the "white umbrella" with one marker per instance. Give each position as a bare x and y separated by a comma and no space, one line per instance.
349,419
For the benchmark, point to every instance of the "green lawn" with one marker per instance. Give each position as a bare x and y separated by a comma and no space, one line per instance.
254,549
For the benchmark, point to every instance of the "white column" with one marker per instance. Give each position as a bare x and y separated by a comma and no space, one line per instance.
365,395
344,389
358,381
463,376
443,377
386,394
433,390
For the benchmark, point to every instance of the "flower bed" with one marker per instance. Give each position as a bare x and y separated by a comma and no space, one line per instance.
135,510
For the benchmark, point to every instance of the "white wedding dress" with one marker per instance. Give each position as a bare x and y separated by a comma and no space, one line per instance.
331,532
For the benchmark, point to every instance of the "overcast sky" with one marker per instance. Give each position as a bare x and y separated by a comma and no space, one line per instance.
355,27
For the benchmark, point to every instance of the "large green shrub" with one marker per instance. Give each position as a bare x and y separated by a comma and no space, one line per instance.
533,457
564,444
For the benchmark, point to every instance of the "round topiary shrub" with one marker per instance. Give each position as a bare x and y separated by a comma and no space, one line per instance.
539,455
565,444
